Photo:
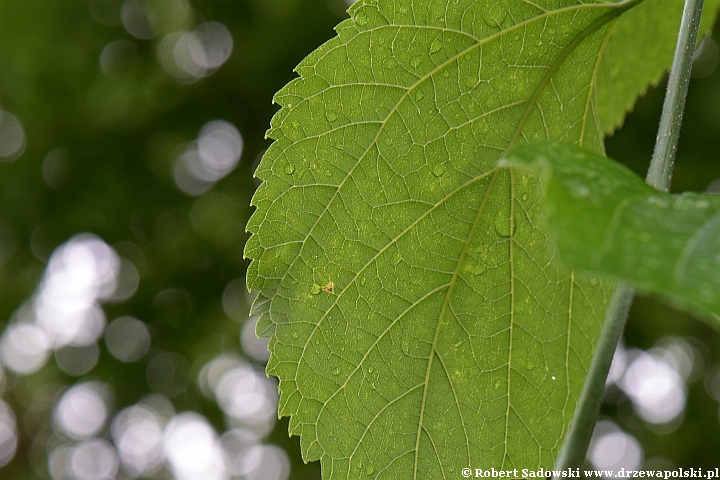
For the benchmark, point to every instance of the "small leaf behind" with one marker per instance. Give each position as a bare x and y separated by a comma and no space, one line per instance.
605,219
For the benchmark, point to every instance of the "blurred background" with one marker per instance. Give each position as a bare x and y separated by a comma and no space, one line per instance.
129,130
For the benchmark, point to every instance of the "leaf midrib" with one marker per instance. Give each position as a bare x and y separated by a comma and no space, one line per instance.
438,327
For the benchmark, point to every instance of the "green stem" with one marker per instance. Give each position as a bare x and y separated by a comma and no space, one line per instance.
578,437
660,171
577,440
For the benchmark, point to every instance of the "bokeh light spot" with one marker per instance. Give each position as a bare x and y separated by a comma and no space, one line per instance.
8,434
82,411
613,449
12,137
127,339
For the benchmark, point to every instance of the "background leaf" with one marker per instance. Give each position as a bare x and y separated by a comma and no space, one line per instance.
636,54
605,219
448,338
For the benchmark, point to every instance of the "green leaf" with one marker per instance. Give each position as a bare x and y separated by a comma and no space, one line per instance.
636,55
418,322
605,219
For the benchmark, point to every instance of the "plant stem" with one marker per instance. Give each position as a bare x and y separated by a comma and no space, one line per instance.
578,437
659,174
660,171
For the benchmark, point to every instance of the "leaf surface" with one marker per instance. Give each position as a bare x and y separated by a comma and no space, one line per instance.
418,322
605,219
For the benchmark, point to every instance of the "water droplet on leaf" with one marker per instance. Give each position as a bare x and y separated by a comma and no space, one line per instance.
289,169
479,269
495,16
369,470
336,371
363,281
331,116
436,45
438,169
294,335
579,190
415,62
504,226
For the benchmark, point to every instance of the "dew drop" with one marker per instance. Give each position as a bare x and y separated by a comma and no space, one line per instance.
331,116
371,370
553,377
294,335
415,62
446,74
450,469
336,371
390,63
503,226
419,96
436,45
289,169
406,346
315,289
369,470
579,190
403,9
438,169
363,281
524,196
313,165
494,17
317,341
594,281
479,269
361,19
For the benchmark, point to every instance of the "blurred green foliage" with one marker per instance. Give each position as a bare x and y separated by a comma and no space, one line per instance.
101,148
